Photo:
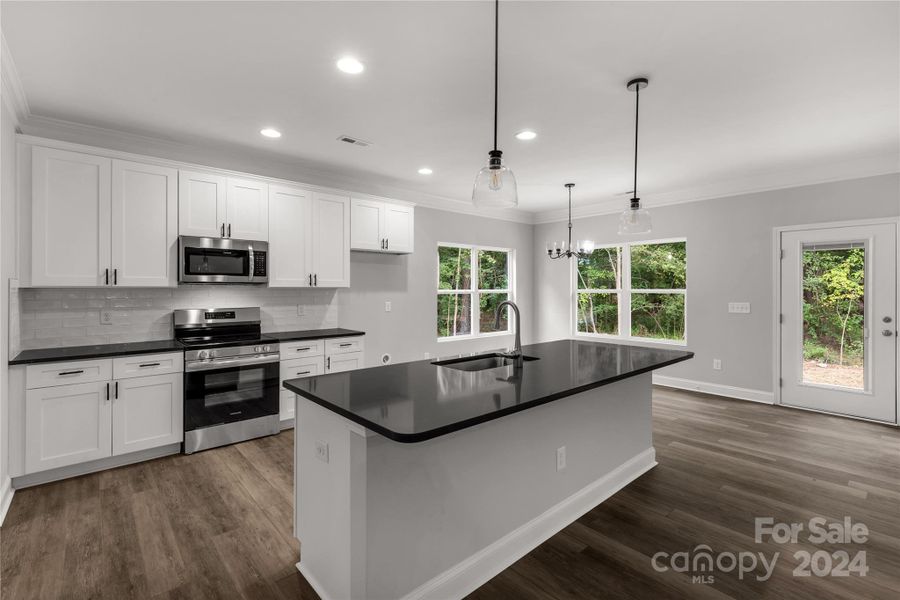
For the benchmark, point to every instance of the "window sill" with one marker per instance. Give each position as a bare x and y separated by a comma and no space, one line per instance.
480,336
634,341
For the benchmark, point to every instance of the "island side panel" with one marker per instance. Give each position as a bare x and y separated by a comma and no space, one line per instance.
434,504
330,500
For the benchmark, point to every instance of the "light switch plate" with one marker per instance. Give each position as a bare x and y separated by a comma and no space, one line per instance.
322,451
742,308
387,306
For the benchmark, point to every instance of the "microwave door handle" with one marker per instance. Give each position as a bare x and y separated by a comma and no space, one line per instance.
252,263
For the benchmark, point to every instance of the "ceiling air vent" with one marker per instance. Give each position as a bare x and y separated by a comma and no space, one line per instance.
353,140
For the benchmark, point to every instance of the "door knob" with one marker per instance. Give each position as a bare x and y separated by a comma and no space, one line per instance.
887,332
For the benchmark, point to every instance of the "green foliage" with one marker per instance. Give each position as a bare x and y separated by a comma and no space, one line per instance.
659,316
601,271
493,271
454,268
598,313
454,311
659,266
834,305
454,314
487,308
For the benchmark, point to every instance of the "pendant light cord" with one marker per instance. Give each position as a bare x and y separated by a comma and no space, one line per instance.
637,100
496,63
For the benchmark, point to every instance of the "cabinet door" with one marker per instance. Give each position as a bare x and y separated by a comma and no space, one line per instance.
201,204
247,210
144,225
70,218
398,228
331,240
344,362
66,425
366,219
290,221
147,412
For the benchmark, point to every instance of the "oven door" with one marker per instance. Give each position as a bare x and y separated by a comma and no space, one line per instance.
215,260
228,390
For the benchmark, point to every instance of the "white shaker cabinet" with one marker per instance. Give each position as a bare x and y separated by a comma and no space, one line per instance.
344,362
201,204
330,236
70,241
247,210
144,225
290,225
147,412
378,226
66,425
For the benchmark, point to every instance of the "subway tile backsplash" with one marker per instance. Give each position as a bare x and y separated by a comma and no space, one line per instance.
72,317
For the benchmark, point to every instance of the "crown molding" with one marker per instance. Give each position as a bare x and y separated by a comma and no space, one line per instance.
857,168
10,85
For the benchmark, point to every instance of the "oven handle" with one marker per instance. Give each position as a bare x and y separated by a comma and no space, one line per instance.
224,363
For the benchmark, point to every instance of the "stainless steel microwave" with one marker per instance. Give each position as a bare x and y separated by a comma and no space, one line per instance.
222,260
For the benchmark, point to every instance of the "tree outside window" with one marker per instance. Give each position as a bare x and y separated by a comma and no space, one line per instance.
472,282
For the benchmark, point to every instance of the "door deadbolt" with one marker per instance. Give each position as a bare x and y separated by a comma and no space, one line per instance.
887,319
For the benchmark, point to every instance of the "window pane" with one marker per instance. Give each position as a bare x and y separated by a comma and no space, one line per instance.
834,291
659,316
454,268
602,271
659,266
493,270
454,314
598,313
487,304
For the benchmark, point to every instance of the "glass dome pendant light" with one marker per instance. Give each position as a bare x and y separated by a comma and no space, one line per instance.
635,219
582,248
495,185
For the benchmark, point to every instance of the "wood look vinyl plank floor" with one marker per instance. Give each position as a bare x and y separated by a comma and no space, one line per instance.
217,524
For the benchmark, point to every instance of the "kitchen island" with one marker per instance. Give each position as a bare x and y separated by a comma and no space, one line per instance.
424,480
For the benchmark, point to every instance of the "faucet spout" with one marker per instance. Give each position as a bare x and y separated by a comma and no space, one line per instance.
516,352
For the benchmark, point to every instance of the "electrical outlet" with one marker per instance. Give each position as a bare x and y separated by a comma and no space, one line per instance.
322,451
301,310
387,306
561,458
106,317
717,364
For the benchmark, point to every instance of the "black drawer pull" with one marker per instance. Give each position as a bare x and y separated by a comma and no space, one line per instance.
345,345
71,372
149,365
303,373
304,349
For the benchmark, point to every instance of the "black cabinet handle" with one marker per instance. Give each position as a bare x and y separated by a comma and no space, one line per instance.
345,345
107,392
315,279
106,277
115,277
382,243
328,363
303,373
117,391
71,372
387,243
149,365
310,279
229,230
304,349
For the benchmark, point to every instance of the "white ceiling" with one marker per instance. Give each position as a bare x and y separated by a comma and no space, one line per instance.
757,92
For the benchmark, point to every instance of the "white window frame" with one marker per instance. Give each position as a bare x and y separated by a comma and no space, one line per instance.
625,292
474,291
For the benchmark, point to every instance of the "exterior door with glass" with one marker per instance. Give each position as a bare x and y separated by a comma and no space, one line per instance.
838,320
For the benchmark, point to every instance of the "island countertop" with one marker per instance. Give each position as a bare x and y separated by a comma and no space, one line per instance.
417,401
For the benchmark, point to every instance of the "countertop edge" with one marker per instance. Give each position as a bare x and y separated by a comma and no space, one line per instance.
88,356
413,438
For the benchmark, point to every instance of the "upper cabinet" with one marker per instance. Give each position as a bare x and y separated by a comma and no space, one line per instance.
379,226
290,224
215,206
99,222
330,250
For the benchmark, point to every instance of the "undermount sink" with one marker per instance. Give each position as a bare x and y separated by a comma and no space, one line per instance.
481,362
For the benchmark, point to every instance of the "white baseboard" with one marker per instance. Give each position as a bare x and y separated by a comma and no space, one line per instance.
287,424
716,389
312,581
6,496
467,576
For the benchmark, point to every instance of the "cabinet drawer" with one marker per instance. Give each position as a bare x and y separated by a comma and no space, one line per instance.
344,345
292,350
64,373
148,364
302,367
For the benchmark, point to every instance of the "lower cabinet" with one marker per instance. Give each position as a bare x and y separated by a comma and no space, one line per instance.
294,369
79,422
344,362
66,425
147,412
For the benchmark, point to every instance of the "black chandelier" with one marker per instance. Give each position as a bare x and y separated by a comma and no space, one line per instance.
582,249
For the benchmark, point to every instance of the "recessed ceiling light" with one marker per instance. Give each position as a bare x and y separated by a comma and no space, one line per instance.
425,171
526,135
270,133
348,64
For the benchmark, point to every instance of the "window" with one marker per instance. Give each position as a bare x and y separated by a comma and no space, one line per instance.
472,282
635,290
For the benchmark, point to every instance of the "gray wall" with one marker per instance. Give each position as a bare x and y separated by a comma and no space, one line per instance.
729,245
410,284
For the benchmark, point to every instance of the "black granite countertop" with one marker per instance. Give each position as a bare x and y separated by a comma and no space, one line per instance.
44,355
417,401
312,334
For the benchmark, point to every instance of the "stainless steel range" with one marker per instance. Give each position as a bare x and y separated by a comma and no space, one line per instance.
231,377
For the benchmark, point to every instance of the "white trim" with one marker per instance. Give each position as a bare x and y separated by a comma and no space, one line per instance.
94,466
716,389
6,496
779,179
476,570
11,85
312,581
